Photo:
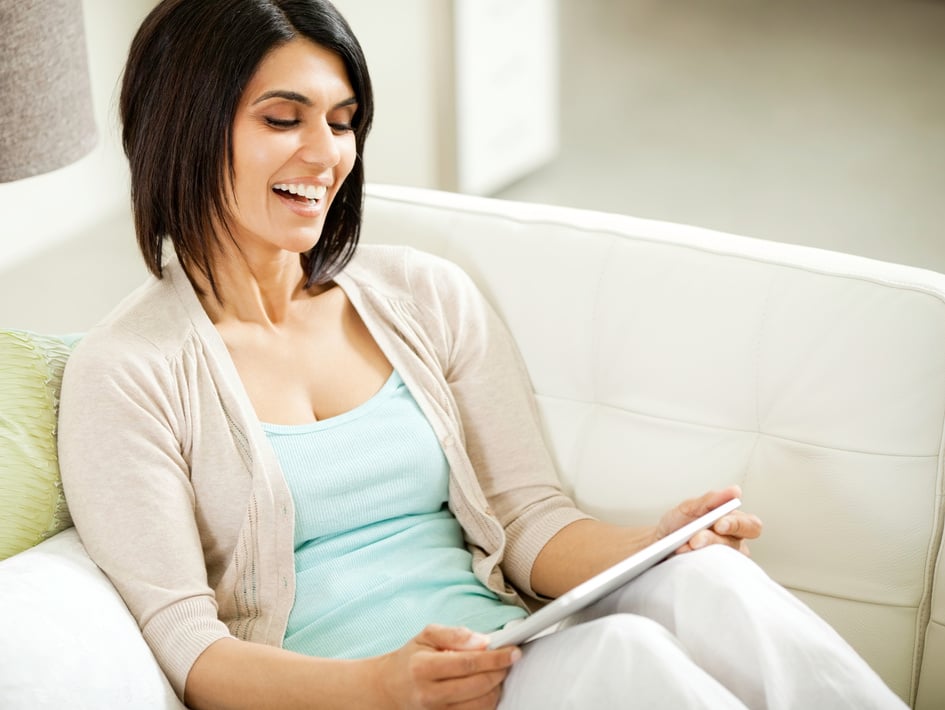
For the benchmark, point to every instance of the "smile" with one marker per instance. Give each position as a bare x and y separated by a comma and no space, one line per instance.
310,193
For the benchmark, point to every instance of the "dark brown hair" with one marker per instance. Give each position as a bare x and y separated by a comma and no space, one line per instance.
188,66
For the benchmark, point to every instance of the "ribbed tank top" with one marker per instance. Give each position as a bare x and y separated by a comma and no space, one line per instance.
378,554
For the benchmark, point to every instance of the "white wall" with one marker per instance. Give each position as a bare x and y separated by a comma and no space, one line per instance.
407,46
465,90
506,91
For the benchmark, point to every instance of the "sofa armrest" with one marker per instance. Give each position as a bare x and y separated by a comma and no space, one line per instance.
68,639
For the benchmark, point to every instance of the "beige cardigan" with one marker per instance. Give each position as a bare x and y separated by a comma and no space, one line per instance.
179,498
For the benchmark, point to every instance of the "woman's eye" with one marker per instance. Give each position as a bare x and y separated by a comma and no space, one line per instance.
341,127
282,122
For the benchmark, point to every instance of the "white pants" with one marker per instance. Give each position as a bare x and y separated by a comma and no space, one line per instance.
708,629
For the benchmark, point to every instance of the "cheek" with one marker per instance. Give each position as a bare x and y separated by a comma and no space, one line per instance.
252,164
257,156
252,174
349,154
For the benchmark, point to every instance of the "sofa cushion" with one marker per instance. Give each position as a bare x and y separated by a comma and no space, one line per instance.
32,507
68,640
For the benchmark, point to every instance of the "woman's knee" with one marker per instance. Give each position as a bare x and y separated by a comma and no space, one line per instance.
718,567
719,557
628,637
631,661
691,591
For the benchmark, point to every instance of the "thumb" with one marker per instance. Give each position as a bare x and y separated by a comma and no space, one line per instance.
452,638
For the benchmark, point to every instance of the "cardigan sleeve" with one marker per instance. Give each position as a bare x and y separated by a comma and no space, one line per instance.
126,480
500,423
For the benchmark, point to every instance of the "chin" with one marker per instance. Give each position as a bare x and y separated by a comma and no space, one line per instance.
301,242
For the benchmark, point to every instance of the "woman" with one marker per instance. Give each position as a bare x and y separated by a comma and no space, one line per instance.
316,474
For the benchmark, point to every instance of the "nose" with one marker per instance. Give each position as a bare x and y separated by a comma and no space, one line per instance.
319,146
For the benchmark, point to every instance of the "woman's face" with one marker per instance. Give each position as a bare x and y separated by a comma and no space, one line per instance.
293,147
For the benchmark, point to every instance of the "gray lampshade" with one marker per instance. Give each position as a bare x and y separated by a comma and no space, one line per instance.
46,117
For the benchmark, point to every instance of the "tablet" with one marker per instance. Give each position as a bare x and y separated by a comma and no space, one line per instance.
600,585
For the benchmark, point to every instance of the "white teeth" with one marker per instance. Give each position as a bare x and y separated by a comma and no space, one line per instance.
311,192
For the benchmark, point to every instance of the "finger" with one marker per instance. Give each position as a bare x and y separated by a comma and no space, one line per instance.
447,665
452,638
457,691
706,538
461,664
693,508
739,525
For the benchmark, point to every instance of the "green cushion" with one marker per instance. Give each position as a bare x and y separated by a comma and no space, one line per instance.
32,507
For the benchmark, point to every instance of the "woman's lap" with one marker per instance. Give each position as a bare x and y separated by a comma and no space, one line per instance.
695,631
618,661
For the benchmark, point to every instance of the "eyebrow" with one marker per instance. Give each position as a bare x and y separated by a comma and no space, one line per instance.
299,98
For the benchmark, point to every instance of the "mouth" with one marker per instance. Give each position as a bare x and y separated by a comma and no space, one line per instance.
309,195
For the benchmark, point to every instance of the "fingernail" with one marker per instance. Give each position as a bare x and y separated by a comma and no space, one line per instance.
722,527
515,655
697,541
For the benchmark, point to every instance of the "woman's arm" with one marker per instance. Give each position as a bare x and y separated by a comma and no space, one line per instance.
586,547
441,667
551,545
127,483
498,415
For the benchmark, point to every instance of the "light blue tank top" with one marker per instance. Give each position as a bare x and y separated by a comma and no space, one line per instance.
378,555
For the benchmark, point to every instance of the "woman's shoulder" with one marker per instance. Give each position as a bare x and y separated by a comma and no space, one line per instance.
150,323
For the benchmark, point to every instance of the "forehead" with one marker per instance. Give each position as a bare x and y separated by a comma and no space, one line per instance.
302,67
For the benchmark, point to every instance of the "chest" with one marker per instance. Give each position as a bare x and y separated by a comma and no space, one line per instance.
364,472
320,363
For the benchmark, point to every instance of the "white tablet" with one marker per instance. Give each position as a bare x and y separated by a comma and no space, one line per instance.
600,585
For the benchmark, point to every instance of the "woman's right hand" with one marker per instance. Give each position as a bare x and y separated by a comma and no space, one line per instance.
445,667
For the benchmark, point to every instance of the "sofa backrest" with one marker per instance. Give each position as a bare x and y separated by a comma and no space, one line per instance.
668,360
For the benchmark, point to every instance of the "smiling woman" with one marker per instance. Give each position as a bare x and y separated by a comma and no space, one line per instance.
314,470
293,148
179,120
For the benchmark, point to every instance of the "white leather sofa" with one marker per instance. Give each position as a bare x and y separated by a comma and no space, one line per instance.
667,360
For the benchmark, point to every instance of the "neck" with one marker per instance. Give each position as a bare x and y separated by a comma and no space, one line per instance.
260,292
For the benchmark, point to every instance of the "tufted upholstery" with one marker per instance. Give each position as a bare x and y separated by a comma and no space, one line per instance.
668,360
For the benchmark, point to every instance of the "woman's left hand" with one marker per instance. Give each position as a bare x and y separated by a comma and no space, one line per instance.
734,529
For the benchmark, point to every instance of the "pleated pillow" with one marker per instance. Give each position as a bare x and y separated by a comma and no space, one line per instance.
32,506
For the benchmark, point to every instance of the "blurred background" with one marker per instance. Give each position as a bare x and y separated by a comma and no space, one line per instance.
816,122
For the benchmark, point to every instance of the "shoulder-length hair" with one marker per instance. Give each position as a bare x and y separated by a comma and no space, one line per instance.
188,66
